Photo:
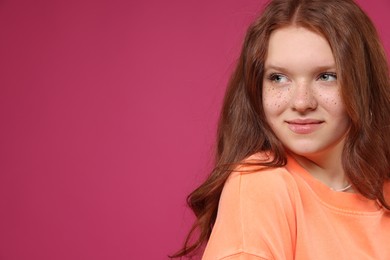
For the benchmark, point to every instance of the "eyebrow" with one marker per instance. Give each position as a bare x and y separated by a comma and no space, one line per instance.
331,66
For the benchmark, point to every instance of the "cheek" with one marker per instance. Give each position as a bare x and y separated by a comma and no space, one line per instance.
274,100
331,99
333,103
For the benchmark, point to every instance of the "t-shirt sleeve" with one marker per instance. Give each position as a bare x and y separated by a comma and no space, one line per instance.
256,217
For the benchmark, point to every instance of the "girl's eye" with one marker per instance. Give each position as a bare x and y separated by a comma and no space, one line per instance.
278,78
328,77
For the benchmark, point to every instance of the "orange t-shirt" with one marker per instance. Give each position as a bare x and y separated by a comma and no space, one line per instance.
285,213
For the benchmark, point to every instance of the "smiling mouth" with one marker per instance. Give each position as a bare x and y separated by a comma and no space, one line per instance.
304,126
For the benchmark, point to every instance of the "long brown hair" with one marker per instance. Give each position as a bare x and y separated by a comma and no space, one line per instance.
242,130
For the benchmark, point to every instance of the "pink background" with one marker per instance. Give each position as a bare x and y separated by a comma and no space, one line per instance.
107,117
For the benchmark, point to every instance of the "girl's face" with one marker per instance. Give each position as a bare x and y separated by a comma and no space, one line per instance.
301,94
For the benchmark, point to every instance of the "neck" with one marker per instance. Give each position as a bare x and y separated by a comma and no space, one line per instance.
326,167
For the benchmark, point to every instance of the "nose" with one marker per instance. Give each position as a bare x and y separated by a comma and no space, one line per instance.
303,99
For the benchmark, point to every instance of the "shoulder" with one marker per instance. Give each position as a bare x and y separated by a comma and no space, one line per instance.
256,188
256,214
260,182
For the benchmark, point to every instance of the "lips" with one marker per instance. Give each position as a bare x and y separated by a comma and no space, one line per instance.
304,126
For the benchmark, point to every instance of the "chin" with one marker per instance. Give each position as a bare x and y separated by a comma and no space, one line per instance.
305,150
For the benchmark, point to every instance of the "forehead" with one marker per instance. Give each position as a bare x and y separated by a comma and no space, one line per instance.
298,47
